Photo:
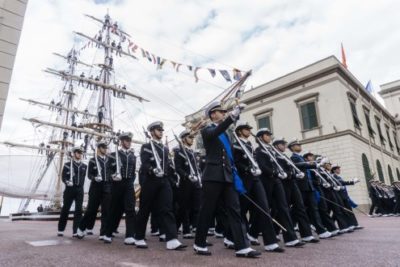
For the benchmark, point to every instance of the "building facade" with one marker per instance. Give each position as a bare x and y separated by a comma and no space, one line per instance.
11,20
390,92
329,110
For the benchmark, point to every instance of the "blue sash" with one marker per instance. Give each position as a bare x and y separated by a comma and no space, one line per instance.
237,181
317,196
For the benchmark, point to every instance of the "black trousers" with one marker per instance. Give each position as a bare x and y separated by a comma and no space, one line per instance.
324,212
122,200
156,197
337,212
212,193
99,194
376,204
277,198
71,194
189,204
261,222
297,208
351,217
312,210
397,206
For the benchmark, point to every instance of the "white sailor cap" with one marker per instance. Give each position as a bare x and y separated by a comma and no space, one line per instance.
263,131
242,125
214,106
184,133
102,144
125,136
77,149
335,166
294,142
279,140
155,125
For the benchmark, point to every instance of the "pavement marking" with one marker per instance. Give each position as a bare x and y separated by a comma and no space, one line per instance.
51,242
130,264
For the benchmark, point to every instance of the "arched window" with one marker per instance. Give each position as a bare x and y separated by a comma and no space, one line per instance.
398,174
367,170
380,172
390,174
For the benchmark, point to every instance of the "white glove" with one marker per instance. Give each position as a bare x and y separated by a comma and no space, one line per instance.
69,183
255,172
236,111
282,175
356,180
98,178
116,177
300,175
336,188
323,161
326,185
158,173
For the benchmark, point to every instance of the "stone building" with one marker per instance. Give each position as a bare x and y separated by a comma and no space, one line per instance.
11,19
329,110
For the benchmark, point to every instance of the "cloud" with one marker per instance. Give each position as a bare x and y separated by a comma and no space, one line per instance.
270,37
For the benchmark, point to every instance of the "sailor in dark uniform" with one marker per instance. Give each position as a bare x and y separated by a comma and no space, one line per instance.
271,178
99,172
308,190
293,194
219,183
189,189
332,193
73,176
348,203
156,192
255,190
122,190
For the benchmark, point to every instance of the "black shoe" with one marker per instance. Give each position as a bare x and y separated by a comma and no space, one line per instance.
180,247
202,253
297,245
252,254
358,227
313,241
277,250
162,239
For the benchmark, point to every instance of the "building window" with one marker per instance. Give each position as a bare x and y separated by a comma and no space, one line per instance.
380,172
264,121
395,142
356,120
388,137
398,174
369,126
378,126
309,116
367,170
390,174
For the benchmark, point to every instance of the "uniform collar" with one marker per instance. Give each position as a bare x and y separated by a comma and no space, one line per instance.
126,151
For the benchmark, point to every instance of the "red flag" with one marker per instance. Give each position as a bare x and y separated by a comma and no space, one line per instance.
344,57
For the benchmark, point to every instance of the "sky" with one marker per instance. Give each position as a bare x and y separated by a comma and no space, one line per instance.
272,38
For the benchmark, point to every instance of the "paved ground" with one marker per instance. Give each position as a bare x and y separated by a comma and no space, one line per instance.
377,245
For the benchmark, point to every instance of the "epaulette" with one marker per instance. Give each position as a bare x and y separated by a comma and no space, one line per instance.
237,147
147,150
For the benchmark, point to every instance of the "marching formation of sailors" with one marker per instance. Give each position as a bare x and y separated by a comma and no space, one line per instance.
385,199
244,191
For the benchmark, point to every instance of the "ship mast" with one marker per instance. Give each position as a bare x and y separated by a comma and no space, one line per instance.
97,120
